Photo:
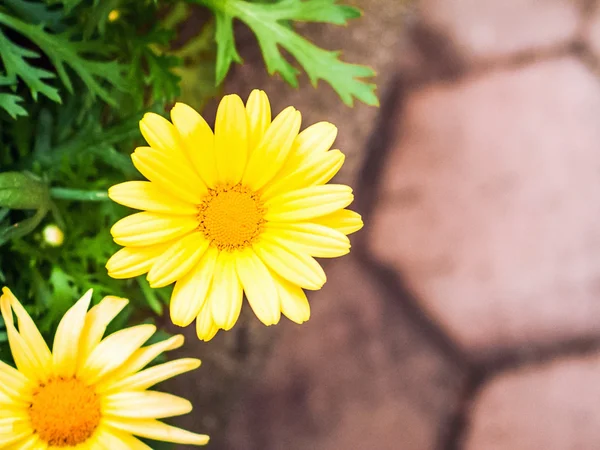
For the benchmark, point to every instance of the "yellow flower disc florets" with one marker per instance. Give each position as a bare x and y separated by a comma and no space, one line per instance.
64,412
231,217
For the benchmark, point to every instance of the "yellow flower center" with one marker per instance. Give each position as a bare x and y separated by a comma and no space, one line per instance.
231,217
64,412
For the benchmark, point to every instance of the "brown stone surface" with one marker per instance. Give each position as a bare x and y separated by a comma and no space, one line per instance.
487,30
551,407
592,33
490,205
488,212
357,375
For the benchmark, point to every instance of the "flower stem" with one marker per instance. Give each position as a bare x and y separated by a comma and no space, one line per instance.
77,194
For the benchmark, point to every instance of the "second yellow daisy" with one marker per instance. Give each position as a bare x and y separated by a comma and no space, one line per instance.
242,210
89,393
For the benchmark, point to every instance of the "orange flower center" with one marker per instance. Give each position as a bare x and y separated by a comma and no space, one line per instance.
231,217
64,412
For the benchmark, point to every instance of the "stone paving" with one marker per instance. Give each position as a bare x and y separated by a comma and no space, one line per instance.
467,316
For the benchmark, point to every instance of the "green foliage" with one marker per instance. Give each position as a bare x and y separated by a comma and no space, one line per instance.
269,22
73,86
76,76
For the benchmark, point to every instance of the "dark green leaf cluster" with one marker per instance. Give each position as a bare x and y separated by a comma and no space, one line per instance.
75,78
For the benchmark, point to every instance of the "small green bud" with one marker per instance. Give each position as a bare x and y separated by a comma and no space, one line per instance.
53,236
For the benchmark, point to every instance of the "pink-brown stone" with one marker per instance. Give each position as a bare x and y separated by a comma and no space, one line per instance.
483,30
592,32
357,375
490,205
551,407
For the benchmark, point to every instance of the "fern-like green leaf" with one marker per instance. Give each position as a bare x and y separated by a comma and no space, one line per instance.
16,65
64,52
10,103
269,24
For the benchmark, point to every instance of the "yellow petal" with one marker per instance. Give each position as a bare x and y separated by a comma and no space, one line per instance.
149,377
160,133
231,139
258,111
140,359
158,431
114,350
144,405
24,355
308,203
319,168
178,260
294,304
66,340
318,138
32,442
268,157
296,267
13,433
130,262
149,196
259,287
29,331
198,139
146,228
170,173
206,329
96,321
344,220
225,295
12,382
112,439
189,294
316,240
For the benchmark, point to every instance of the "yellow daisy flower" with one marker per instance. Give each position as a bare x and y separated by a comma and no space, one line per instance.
242,210
88,393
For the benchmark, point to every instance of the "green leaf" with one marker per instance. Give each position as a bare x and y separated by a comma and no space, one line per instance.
22,191
64,52
226,51
150,295
269,24
35,12
15,64
22,228
69,4
10,103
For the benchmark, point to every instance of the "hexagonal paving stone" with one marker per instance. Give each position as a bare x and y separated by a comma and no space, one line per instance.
490,205
592,32
488,29
357,375
551,407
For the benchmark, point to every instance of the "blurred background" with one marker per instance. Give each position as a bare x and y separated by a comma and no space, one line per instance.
468,314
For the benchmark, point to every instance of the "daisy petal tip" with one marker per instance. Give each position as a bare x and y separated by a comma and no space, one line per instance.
232,97
207,335
272,320
299,317
87,297
179,322
182,111
180,105
228,325
155,282
177,341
